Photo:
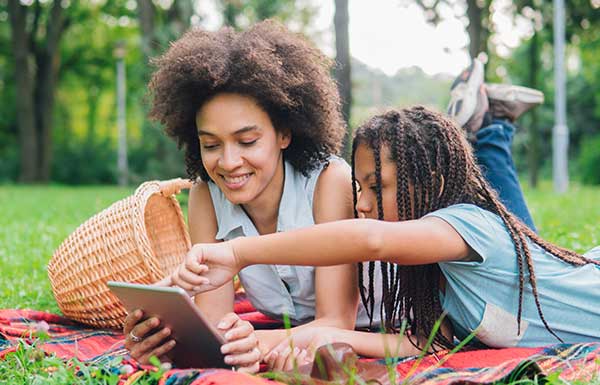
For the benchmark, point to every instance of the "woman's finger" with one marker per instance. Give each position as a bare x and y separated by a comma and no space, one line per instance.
131,320
141,330
243,359
252,369
241,329
240,346
228,321
149,343
158,352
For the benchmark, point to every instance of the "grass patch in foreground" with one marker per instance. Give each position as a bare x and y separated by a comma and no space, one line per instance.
36,219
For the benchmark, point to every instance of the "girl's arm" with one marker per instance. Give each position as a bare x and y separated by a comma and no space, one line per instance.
203,229
414,242
336,293
380,345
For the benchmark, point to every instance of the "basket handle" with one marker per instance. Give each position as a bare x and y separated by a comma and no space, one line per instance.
174,186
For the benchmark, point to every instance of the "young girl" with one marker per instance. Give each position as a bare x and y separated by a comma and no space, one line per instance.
446,243
258,116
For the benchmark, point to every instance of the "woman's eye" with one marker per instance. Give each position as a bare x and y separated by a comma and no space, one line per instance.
248,142
209,146
373,187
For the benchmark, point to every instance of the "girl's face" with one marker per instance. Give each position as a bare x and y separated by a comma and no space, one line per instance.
241,151
366,205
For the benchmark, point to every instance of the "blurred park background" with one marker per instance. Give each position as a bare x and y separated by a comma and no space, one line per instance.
59,58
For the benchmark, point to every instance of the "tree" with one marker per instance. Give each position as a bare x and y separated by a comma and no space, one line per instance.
478,15
342,71
37,62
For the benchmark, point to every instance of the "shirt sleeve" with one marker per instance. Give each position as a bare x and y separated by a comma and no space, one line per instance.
482,230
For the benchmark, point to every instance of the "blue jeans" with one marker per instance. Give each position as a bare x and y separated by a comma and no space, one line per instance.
493,152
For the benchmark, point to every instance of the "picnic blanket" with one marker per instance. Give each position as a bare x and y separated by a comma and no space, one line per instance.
67,339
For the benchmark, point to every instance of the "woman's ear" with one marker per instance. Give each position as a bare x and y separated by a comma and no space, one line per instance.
285,138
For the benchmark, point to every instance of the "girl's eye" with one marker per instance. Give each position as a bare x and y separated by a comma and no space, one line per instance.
373,188
249,142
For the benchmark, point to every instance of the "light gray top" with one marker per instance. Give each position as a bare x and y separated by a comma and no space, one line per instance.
280,289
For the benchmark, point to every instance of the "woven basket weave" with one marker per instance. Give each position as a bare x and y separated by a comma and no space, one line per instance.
137,239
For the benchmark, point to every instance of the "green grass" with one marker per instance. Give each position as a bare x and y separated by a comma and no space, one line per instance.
35,220
571,220
33,223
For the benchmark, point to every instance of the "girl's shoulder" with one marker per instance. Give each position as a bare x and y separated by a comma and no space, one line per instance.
482,230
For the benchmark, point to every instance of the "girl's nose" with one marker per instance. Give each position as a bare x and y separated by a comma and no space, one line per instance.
363,206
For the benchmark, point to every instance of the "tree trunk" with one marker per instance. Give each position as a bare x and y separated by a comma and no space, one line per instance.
342,71
24,94
534,132
477,32
48,64
146,13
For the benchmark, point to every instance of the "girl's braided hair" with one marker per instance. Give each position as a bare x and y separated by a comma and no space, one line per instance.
287,76
435,168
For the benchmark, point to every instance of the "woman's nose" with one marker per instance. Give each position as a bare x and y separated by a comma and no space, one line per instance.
230,158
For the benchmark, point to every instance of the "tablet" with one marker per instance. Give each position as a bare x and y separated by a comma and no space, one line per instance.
198,343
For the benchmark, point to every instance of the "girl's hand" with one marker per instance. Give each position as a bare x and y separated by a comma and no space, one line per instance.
144,340
288,359
301,346
241,349
207,266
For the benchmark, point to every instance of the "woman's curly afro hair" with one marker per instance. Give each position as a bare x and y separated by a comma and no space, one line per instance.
287,76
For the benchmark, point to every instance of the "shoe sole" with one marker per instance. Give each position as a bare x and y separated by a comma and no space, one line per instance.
467,85
510,93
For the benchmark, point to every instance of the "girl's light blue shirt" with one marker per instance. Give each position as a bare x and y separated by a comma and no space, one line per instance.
483,293
280,289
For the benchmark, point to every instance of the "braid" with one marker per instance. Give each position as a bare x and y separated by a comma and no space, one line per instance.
435,169
386,304
361,286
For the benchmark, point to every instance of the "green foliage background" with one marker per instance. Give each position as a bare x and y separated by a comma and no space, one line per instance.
84,137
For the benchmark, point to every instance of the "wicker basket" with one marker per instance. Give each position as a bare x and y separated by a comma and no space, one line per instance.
137,239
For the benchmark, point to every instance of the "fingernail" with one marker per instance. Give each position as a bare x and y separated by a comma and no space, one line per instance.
166,331
154,322
224,349
228,360
227,335
221,325
172,343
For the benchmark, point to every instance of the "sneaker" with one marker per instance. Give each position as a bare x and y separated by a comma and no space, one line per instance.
510,102
468,101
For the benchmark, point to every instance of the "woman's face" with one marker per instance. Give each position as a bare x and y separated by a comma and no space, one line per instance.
241,151
365,176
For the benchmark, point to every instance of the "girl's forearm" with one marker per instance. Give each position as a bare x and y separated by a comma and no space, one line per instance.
377,345
325,244
414,242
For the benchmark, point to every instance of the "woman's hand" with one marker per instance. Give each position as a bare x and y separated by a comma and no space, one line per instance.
241,349
144,340
207,266
301,346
